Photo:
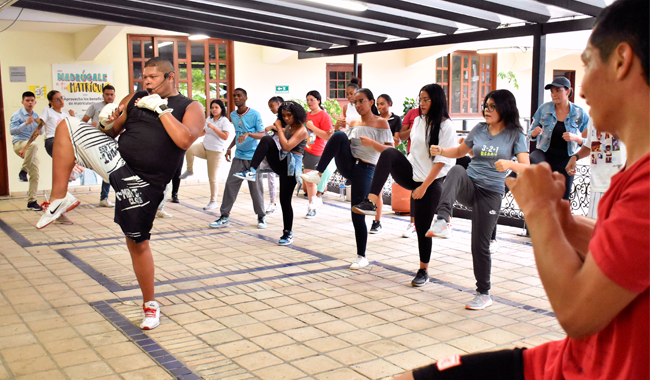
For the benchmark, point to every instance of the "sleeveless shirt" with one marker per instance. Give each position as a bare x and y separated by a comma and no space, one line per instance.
300,148
145,145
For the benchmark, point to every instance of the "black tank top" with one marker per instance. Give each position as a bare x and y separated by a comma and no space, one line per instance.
300,148
145,145
558,146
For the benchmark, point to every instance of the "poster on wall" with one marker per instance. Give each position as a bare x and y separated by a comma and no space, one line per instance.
81,85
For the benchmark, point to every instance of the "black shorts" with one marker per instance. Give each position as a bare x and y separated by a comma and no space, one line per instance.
49,144
136,203
309,161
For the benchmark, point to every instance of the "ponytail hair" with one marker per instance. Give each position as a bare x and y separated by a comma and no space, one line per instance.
354,83
50,96
370,96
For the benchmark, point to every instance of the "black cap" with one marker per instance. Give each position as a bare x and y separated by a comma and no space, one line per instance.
559,82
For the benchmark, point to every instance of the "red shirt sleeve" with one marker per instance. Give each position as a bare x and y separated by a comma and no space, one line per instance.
621,240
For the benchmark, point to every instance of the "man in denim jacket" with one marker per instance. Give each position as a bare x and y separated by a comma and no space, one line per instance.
557,128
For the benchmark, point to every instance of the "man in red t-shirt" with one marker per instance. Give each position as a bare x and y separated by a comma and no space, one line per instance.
596,273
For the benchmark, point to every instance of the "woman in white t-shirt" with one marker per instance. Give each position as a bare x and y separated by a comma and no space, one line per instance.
52,116
216,132
419,172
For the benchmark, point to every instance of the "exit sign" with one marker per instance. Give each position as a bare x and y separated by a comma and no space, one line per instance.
281,89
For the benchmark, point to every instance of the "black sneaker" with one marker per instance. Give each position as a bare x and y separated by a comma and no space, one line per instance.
421,278
34,206
286,238
376,227
22,176
175,198
365,208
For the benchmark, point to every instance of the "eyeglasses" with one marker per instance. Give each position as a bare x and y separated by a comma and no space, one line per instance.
489,107
58,99
311,100
425,100
360,101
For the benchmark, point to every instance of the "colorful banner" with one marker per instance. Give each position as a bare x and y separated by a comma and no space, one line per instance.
81,85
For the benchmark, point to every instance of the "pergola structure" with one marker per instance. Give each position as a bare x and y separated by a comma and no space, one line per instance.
322,28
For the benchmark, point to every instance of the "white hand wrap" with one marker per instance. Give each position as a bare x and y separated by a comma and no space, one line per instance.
105,114
153,103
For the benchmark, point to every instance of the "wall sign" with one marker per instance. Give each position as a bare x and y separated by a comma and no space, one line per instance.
81,85
17,74
281,89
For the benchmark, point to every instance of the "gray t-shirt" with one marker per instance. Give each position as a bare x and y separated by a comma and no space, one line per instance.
93,111
487,150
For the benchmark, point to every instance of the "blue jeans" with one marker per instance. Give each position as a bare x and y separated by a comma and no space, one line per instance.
106,187
360,175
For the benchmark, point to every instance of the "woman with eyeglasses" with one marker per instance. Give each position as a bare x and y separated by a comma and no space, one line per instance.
321,126
284,153
557,128
356,153
52,116
420,172
481,187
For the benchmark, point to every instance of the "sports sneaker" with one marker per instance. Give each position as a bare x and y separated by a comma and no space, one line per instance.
272,208
221,222
63,220
440,228
286,239
494,246
311,214
376,227
365,208
316,202
410,231
248,175
163,214
175,199
421,278
186,174
360,262
261,222
34,206
56,208
22,176
480,302
151,311
311,176
211,206
106,203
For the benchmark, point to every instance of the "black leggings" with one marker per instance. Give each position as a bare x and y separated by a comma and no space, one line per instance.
495,365
176,180
267,149
393,162
558,164
360,175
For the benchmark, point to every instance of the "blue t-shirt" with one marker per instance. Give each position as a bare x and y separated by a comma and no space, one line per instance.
250,122
487,150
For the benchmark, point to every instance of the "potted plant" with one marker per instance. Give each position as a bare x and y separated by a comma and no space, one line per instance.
400,200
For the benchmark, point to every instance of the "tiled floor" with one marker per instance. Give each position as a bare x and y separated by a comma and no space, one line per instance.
238,306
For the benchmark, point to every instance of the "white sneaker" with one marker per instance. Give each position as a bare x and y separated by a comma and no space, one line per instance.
494,246
440,228
106,203
410,231
480,302
56,208
151,311
311,176
272,208
211,206
316,202
360,262
311,214
163,214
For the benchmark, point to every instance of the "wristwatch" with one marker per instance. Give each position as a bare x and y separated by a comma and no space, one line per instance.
576,156
163,109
